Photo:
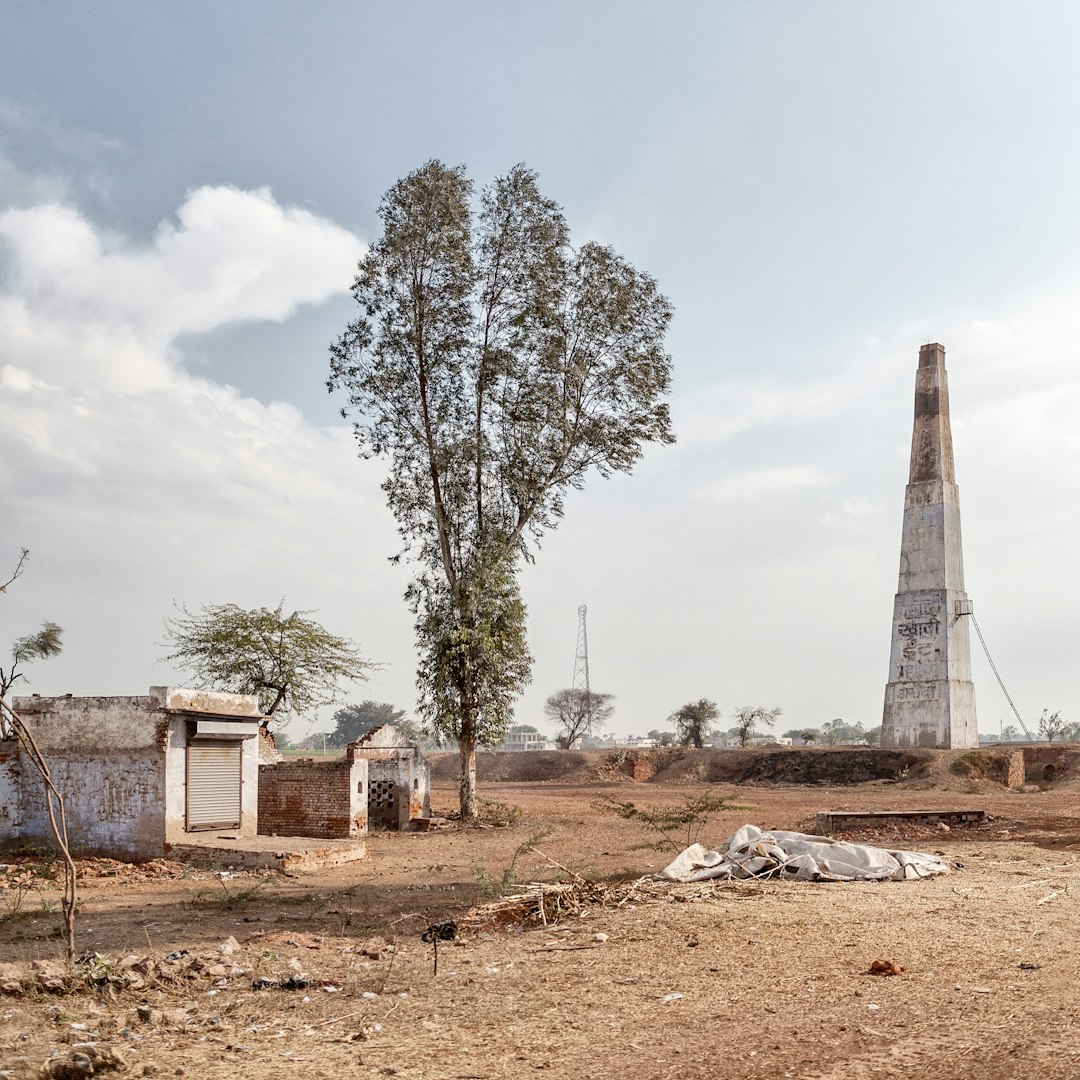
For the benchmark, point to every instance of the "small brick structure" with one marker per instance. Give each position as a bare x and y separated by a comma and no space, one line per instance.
1045,763
1015,776
638,766
326,799
381,781
138,773
269,754
399,778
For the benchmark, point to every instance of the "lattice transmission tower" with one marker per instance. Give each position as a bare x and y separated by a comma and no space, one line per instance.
581,665
581,656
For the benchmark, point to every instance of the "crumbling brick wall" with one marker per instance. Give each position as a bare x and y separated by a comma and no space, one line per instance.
1015,778
269,754
303,797
1047,763
638,766
399,778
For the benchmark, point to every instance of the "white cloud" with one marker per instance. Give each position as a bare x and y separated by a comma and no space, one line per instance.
849,511
20,382
723,410
752,485
103,310
990,329
133,481
19,188
99,316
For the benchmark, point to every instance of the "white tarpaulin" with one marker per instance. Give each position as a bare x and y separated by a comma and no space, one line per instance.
751,852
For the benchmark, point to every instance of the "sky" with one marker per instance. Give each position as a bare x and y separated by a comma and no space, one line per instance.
819,189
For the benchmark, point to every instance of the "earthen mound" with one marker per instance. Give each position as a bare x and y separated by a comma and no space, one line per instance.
522,767
814,767
944,770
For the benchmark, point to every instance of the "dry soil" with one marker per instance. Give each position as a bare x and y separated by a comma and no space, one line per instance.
744,979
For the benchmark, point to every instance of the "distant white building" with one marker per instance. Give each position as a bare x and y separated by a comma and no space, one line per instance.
770,740
516,739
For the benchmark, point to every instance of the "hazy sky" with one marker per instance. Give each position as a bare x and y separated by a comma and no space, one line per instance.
820,188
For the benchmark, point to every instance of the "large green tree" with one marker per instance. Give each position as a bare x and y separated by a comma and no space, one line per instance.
291,662
495,366
353,721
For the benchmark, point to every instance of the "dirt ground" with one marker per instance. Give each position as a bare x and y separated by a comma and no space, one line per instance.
743,979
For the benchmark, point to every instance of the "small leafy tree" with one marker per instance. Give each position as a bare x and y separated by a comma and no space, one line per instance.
809,735
669,821
694,722
315,741
1051,726
750,719
40,645
1009,733
24,554
833,730
353,721
662,738
290,661
483,651
578,713
45,643
496,367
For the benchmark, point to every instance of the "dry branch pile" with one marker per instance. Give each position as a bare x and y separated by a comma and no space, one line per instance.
536,904
542,903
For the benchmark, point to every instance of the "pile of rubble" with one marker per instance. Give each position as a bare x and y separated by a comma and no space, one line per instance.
132,972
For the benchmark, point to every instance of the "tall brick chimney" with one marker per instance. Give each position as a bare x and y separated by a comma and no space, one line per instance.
930,698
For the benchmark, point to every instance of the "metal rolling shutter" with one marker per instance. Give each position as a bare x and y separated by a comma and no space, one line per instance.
213,785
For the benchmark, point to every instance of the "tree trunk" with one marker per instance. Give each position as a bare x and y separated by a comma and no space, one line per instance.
467,705
281,692
467,791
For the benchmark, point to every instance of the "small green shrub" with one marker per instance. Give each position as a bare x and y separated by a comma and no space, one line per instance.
16,885
661,757
495,812
691,815
491,889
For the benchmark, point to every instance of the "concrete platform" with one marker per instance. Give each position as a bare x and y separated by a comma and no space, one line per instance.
836,820
293,853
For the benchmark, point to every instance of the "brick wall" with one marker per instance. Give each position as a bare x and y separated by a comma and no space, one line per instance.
327,799
638,766
1047,763
399,778
1015,778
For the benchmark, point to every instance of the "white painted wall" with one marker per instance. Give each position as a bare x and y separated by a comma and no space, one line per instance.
114,802
121,765
9,791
